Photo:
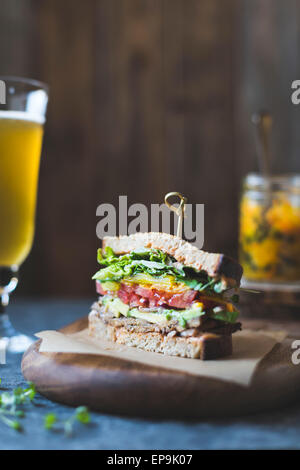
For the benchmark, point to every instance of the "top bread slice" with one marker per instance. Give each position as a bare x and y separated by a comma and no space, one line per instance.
215,265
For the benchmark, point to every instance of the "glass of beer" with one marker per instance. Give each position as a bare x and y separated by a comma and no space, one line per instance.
23,104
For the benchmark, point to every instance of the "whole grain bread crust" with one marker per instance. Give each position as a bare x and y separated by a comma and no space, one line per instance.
205,347
214,264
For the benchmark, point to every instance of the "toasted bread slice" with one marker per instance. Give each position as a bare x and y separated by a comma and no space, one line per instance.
215,265
207,346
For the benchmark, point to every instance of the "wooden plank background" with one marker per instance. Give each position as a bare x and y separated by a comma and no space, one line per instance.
147,96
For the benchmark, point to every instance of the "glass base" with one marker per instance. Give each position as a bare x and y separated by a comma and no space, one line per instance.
13,341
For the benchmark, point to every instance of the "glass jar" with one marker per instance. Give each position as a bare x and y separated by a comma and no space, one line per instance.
269,237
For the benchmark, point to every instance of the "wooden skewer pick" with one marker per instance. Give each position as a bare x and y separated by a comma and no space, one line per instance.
179,211
263,126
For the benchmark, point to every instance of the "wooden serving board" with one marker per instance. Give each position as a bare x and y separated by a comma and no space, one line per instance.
118,386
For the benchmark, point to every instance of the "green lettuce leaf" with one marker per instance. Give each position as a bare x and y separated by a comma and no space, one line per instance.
228,317
153,262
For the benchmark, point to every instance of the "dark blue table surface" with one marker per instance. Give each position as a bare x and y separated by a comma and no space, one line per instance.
279,429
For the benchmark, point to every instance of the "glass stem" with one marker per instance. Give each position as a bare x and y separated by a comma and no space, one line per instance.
4,303
13,341
8,283
6,328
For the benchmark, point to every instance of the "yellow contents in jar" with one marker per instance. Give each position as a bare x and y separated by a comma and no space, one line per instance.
270,239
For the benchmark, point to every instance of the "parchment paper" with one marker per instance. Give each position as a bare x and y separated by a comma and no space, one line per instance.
249,348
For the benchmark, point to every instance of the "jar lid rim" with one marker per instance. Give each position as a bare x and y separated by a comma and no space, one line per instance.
284,181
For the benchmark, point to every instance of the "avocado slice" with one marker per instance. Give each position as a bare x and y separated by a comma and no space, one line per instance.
118,308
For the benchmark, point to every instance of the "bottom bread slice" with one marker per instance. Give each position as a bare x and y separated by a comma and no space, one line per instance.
205,347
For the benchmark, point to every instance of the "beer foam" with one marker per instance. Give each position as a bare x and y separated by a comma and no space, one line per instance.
22,116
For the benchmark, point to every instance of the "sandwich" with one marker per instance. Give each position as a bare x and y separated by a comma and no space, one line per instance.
162,294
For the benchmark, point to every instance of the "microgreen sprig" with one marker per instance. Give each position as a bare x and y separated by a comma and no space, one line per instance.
11,405
81,415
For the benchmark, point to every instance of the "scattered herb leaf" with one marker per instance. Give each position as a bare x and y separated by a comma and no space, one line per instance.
12,404
49,420
81,415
